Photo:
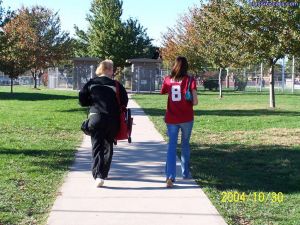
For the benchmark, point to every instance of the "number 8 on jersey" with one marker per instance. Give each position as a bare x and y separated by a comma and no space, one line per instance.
176,93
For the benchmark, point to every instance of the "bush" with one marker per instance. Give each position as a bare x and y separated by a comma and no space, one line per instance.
240,83
119,75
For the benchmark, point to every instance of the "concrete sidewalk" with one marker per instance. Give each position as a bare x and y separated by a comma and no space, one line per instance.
135,193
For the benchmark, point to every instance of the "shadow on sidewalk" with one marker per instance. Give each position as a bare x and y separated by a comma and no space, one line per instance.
162,187
142,162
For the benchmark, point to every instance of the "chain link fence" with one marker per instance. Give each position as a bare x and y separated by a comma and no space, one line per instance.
144,80
255,78
21,81
60,78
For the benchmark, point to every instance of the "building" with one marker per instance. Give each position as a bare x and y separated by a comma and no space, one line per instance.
84,69
146,74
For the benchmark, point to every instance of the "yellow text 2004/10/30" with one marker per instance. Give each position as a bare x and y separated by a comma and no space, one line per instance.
262,197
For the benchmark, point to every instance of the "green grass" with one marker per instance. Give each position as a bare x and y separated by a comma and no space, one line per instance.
239,144
39,132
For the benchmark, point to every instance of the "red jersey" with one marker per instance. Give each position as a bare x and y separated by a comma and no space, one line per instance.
179,110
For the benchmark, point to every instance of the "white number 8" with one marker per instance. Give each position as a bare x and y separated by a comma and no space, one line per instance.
176,93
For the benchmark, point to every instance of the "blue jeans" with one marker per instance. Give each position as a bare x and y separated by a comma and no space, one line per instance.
173,130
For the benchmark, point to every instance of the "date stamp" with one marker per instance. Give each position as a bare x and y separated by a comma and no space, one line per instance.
260,197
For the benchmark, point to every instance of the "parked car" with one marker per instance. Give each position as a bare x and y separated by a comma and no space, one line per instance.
210,84
4,81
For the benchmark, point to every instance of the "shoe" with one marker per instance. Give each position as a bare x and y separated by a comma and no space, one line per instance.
170,183
99,182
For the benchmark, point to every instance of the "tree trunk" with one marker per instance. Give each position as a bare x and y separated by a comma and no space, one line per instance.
220,84
272,85
34,76
35,82
40,76
11,85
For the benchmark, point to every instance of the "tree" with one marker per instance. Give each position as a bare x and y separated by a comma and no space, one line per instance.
37,32
105,29
81,48
11,60
12,67
11,54
109,37
5,16
51,45
272,33
234,33
1,13
218,38
136,42
1,26
207,37
182,40
240,34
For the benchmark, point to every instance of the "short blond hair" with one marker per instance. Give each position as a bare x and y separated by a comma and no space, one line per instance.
104,66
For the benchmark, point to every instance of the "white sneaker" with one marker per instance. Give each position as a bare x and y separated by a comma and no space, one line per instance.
99,182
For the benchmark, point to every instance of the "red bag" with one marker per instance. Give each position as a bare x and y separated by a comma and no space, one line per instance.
125,119
122,134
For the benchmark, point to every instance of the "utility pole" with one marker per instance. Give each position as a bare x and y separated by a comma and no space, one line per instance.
138,79
261,77
293,74
283,74
227,77
220,84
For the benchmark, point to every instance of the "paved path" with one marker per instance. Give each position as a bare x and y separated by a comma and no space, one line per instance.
135,194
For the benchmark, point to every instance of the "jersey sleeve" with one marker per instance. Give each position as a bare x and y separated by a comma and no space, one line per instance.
165,87
193,84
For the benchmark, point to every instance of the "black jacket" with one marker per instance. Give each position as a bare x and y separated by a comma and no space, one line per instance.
99,94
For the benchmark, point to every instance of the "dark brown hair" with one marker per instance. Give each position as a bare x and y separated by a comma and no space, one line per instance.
180,68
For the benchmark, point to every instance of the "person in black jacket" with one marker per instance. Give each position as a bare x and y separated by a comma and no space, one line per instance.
99,94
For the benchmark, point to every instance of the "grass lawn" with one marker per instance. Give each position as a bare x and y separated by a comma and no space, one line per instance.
239,145
39,132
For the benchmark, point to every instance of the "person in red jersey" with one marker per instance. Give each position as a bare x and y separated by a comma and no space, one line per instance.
182,96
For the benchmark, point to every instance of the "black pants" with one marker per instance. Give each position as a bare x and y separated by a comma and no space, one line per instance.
103,130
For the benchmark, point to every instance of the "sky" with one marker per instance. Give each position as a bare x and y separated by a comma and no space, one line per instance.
155,15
